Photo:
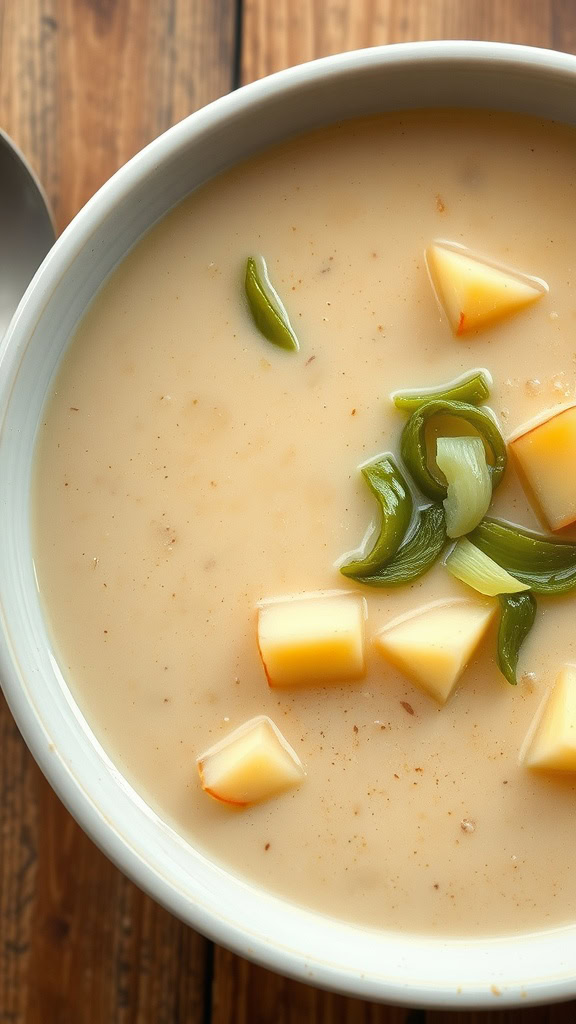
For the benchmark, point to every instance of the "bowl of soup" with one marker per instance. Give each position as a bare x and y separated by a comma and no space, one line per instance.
288,560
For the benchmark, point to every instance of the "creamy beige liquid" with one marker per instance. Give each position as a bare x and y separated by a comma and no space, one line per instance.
187,468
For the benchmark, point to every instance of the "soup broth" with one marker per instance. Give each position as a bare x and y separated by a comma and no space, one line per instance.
187,469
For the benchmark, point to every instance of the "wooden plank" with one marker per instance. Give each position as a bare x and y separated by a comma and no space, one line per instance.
563,1013
278,33
245,994
19,832
84,85
99,943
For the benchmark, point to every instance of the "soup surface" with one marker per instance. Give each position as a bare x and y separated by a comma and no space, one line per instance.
187,469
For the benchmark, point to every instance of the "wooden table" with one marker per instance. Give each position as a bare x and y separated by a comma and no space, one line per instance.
84,84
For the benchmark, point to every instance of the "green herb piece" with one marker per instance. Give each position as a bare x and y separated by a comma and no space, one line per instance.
462,460
417,555
547,566
391,491
518,612
413,444
474,388
266,306
472,566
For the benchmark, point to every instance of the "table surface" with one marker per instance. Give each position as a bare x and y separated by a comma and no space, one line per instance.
84,85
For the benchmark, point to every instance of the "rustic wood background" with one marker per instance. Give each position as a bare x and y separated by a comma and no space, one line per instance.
84,84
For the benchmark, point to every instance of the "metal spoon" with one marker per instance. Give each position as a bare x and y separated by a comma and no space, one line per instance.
26,227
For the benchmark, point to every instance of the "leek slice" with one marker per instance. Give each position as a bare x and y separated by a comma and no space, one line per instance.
518,612
417,555
266,306
463,462
545,564
393,495
470,565
473,388
414,450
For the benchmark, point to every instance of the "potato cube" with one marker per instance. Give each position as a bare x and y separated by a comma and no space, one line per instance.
475,294
253,763
553,747
546,455
312,639
433,645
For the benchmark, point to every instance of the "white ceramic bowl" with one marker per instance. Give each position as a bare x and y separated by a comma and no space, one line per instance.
376,965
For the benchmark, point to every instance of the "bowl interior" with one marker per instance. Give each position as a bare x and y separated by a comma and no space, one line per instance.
392,967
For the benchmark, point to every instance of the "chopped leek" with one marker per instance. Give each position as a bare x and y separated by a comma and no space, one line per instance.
391,490
546,565
463,463
470,565
414,451
266,306
518,612
417,555
474,388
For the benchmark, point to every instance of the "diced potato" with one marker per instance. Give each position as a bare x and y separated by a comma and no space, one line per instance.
252,764
546,455
434,644
312,639
553,747
475,294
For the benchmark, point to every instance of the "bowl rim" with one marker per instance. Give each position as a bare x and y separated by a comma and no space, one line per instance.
68,784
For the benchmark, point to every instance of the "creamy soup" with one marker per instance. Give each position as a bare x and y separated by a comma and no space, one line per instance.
187,469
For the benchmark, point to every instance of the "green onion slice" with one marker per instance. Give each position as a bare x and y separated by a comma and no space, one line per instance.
417,555
413,444
470,565
463,462
267,307
473,388
393,495
518,612
547,566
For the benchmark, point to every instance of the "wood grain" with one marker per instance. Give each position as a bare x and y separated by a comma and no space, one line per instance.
245,994
278,33
99,950
19,832
563,1013
84,84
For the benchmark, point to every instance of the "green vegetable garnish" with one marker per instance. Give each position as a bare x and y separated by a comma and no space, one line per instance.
266,306
516,620
474,388
391,491
417,555
472,566
546,566
413,444
462,460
